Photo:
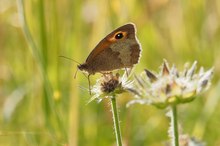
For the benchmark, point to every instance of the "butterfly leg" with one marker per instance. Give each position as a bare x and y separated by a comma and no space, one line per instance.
89,84
76,73
126,70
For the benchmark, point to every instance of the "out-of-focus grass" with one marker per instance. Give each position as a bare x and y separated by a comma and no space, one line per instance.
41,103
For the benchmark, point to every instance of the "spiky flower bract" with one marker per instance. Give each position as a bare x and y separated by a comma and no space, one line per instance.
170,86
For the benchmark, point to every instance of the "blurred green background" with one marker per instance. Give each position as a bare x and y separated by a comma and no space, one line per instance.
41,104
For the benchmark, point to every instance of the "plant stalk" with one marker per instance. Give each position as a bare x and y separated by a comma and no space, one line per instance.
174,126
116,121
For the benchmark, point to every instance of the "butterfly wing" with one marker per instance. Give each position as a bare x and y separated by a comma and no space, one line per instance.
117,50
106,61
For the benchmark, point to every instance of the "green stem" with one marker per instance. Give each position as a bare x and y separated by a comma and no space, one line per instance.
116,121
175,126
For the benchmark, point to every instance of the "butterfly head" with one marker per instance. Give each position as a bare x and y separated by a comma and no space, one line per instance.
86,68
82,67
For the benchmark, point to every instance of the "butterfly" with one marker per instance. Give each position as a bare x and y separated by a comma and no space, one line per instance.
119,49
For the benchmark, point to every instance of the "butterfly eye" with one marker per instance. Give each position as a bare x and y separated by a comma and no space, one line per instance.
119,36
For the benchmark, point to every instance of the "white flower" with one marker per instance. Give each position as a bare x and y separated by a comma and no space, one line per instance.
171,86
109,85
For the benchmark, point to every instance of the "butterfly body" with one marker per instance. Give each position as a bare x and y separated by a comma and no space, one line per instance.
119,49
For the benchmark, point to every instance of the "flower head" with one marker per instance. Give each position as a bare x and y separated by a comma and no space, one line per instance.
171,86
110,84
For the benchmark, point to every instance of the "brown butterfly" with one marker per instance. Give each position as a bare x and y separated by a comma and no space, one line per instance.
119,49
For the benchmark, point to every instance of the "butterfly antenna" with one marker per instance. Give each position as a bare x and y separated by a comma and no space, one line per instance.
70,59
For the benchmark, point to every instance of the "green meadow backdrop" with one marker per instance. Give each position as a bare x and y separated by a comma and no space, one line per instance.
41,104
